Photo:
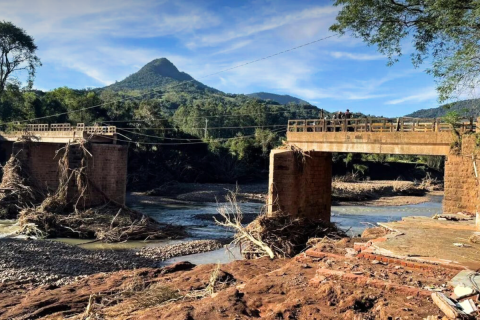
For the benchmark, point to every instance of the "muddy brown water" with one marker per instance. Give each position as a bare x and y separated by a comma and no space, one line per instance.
352,218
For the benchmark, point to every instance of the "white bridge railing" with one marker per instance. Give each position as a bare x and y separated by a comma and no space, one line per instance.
380,125
67,127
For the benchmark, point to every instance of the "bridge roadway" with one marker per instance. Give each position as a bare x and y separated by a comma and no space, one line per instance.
376,135
60,133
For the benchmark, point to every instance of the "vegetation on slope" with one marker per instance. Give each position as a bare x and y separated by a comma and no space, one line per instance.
282,99
158,73
464,108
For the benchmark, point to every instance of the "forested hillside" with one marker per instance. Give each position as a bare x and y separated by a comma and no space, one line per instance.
465,108
282,99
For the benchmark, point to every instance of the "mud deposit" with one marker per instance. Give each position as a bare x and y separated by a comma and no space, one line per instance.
298,288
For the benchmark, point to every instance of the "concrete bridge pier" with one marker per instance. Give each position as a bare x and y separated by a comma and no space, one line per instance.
300,185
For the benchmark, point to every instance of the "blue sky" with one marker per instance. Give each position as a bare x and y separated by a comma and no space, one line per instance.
94,43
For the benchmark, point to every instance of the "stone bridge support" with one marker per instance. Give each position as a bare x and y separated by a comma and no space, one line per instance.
300,185
461,183
106,168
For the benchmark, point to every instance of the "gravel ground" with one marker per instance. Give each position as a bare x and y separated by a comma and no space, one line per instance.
49,262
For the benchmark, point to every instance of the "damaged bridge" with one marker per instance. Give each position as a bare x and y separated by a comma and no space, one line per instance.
40,146
300,181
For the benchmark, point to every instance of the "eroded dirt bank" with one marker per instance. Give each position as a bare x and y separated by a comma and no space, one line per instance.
331,285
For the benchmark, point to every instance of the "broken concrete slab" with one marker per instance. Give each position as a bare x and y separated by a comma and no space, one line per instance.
448,307
428,240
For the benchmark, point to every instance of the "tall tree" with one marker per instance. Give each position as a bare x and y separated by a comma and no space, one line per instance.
17,53
445,31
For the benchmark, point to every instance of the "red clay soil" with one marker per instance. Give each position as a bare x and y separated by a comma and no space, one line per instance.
331,286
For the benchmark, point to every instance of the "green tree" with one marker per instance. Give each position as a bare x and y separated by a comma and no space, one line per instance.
447,31
17,53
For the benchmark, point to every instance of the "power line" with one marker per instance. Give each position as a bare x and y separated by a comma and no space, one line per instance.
209,128
190,139
184,143
158,137
181,83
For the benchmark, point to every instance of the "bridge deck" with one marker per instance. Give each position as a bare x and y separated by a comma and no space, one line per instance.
376,135
59,133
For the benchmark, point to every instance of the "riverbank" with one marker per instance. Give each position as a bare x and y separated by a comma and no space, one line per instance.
325,283
29,263
371,193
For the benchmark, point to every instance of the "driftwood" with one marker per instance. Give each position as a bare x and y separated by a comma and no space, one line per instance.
233,216
19,189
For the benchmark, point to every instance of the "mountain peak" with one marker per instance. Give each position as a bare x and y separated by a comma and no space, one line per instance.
165,68
157,73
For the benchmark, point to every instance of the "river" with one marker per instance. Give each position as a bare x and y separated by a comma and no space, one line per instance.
195,217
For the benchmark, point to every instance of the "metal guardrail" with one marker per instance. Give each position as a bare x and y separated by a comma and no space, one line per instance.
67,127
379,125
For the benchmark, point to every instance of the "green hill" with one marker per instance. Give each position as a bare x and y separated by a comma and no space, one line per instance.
174,89
465,108
282,99
159,73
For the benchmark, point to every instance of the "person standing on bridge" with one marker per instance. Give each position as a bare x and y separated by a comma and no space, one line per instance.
348,115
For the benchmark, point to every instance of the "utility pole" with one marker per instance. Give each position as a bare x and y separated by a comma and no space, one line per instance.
206,128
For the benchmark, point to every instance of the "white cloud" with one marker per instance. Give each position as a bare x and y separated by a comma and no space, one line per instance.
234,47
62,20
356,56
426,94
258,24
297,74
89,36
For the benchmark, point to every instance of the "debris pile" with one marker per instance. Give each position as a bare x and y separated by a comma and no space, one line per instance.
285,235
17,189
276,236
107,223
463,302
